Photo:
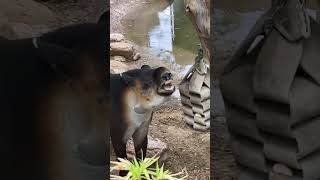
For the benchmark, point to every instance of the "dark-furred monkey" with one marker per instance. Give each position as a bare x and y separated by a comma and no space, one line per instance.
134,95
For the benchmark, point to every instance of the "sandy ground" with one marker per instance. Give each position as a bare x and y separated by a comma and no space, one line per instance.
188,149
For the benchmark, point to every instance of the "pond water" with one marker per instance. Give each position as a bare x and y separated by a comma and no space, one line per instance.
166,30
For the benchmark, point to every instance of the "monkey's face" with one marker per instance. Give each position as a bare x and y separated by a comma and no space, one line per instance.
152,87
164,81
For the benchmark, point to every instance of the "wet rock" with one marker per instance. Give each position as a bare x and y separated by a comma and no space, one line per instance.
118,67
155,148
116,37
118,58
122,49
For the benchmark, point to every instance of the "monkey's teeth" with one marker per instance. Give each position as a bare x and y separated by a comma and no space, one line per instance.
169,87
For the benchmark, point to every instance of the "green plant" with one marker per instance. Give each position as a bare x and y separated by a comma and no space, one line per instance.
141,170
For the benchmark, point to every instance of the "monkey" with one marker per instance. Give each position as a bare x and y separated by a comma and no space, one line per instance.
54,98
134,95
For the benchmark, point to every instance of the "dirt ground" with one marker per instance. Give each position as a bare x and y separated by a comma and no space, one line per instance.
188,149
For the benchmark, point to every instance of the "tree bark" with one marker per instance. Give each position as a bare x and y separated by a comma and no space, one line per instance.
199,13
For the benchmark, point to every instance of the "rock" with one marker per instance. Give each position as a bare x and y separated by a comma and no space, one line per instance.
122,49
136,56
118,58
118,67
116,37
21,30
23,18
26,11
155,148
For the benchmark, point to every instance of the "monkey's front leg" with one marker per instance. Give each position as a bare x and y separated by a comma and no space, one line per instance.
141,148
140,139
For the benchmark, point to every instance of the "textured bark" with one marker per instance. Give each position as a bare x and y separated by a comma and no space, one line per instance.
199,14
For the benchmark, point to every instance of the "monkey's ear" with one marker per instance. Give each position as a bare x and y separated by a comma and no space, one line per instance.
160,70
128,80
145,67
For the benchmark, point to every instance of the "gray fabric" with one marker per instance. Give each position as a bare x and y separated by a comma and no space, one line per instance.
275,68
275,176
272,100
303,100
307,136
310,166
292,21
274,118
244,123
249,153
310,60
236,88
249,174
281,150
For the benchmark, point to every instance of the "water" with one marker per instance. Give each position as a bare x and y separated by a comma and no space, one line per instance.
166,30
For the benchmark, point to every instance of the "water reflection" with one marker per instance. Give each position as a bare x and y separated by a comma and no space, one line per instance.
165,28
161,36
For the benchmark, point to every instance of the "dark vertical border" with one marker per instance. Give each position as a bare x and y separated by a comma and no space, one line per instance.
107,44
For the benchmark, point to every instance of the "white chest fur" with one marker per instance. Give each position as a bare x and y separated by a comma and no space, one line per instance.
139,113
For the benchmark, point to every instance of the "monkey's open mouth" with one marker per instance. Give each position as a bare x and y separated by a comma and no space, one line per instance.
166,88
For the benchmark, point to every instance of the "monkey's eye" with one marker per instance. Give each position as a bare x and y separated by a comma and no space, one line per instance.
166,76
